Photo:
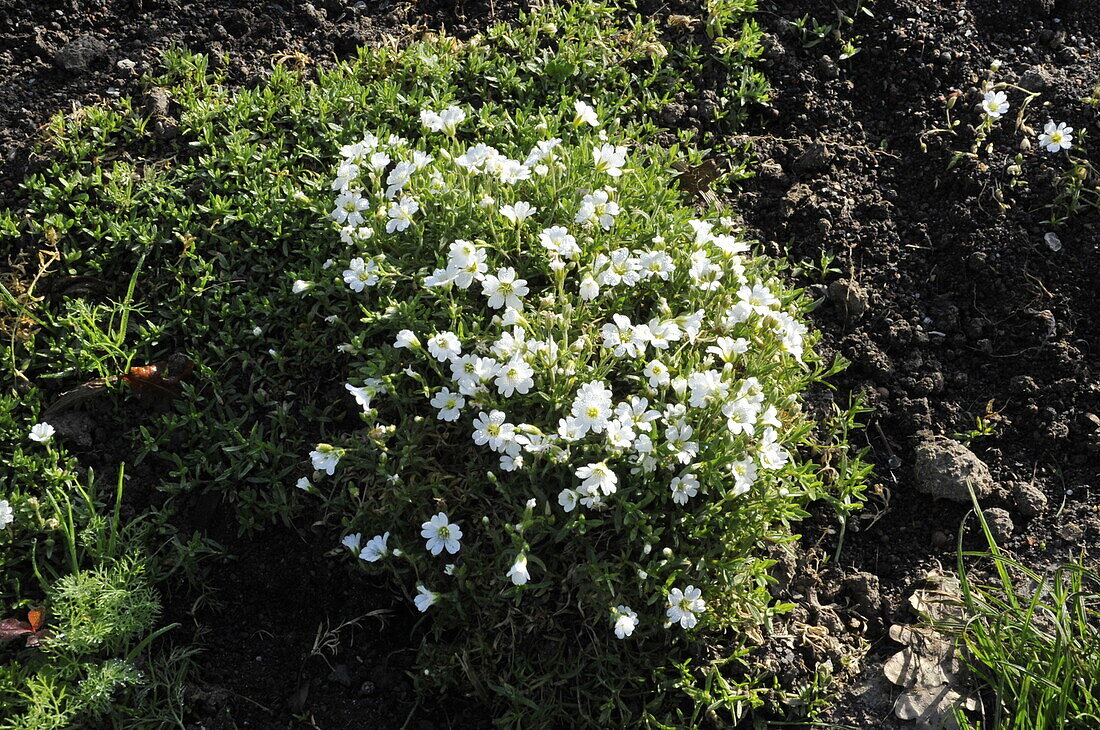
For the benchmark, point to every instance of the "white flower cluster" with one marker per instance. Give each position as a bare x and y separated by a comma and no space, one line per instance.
571,347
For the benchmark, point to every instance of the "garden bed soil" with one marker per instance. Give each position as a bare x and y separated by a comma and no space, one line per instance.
948,308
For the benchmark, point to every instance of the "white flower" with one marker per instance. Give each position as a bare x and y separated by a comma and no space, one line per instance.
379,161
622,338
466,263
376,548
702,231
625,621
592,407
618,268
678,436
610,159
519,212
636,412
619,434
512,171
705,273
364,394
514,376
656,264
597,207
771,454
441,534
584,114
706,387
445,346
349,208
759,297
744,475
446,121
470,371
504,289
406,338
589,289
399,177
325,458
728,348
345,175
493,430
424,598
683,488
401,213
518,572
449,404
995,104
567,498
42,432
303,484
301,286
361,274
740,416
351,542
1056,137
558,241
657,372
7,515
597,477
684,606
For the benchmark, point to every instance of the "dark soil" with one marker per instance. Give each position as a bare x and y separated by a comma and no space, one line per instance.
949,308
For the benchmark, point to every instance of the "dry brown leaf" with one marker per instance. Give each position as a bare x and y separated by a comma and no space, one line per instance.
927,667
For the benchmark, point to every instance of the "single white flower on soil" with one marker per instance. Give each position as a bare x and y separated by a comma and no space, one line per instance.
1056,137
995,104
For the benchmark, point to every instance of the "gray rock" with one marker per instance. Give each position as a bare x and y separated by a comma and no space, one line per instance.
81,52
944,468
850,297
1038,79
1030,500
1000,523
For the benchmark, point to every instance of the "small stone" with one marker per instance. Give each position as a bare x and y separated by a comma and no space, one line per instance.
1037,79
1030,500
850,297
127,66
940,539
1022,385
155,102
81,52
1000,523
1071,532
946,469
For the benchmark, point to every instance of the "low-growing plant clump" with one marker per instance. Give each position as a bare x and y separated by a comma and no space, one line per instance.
581,414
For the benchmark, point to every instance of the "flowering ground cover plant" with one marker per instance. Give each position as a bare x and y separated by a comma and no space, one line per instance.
580,403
